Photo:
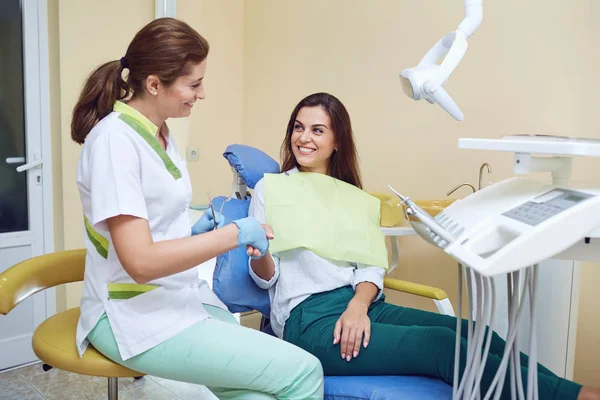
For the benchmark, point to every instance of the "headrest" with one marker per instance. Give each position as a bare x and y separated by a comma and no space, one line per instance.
250,163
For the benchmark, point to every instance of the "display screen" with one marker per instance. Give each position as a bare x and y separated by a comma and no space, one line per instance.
547,205
574,198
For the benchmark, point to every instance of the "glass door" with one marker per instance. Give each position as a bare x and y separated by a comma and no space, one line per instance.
23,194
13,184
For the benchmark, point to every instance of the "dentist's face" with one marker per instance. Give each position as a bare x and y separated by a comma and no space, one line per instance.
180,97
313,141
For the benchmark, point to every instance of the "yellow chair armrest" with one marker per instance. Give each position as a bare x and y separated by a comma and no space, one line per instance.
415,288
38,273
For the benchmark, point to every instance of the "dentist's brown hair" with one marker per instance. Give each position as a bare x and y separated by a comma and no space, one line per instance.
343,163
166,47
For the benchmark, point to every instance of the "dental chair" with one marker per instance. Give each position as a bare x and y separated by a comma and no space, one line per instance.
234,286
54,339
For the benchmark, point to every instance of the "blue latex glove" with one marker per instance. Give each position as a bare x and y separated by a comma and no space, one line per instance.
206,222
252,233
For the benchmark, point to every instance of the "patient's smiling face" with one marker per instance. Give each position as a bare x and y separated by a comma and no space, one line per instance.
319,138
313,140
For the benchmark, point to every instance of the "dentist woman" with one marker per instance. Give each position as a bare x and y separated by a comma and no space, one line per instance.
143,305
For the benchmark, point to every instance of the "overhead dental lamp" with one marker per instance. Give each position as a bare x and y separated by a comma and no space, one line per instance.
428,78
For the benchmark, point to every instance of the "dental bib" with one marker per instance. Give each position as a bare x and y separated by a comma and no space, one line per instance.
327,216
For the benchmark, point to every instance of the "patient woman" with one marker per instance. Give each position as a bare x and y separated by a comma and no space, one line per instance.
336,310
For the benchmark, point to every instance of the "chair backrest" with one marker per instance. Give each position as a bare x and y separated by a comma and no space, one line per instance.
231,281
250,163
39,273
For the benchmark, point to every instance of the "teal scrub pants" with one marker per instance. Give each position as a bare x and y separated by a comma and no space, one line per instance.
233,361
404,341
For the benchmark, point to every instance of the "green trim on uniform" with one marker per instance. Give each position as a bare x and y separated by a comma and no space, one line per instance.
151,140
99,241
124,291
147,130
126,109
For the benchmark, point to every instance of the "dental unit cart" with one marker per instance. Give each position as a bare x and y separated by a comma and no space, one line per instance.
514,242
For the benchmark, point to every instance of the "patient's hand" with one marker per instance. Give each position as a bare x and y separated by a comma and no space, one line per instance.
351,326
270,235
269,231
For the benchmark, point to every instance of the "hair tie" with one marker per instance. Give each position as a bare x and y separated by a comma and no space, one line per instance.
124,63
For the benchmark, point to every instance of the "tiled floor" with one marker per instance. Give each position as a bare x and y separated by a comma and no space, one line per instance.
32,383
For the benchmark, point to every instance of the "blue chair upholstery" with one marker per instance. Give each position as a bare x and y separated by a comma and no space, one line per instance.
385,388
233,285
231,281
250,163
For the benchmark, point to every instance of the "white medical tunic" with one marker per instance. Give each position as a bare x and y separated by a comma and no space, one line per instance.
123,170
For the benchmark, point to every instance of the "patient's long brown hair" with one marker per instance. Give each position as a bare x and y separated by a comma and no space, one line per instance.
166,47
343,163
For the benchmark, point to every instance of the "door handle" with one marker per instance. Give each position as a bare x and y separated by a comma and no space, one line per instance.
15,160
33,164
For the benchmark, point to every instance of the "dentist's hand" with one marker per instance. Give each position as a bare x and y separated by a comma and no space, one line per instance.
251,251
206,222
253,235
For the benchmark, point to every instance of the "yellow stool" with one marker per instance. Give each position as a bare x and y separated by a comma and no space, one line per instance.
54,339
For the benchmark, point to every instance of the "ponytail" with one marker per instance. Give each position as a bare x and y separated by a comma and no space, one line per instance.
104,86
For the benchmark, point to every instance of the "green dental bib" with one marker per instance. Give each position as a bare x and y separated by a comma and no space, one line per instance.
332,218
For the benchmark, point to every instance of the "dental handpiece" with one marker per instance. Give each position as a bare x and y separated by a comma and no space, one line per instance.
423,216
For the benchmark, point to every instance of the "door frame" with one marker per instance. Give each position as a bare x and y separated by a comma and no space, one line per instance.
37,117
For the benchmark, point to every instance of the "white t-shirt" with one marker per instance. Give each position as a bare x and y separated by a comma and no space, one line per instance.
123,170
300,273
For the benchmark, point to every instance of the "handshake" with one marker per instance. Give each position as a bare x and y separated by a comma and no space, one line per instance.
251,233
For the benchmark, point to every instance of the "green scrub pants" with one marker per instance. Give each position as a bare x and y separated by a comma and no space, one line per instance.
404,341
233,361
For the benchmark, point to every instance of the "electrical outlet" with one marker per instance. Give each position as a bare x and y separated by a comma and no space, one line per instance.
192,154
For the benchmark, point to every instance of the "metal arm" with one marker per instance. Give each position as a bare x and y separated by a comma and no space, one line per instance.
473,17
239,188
427,79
